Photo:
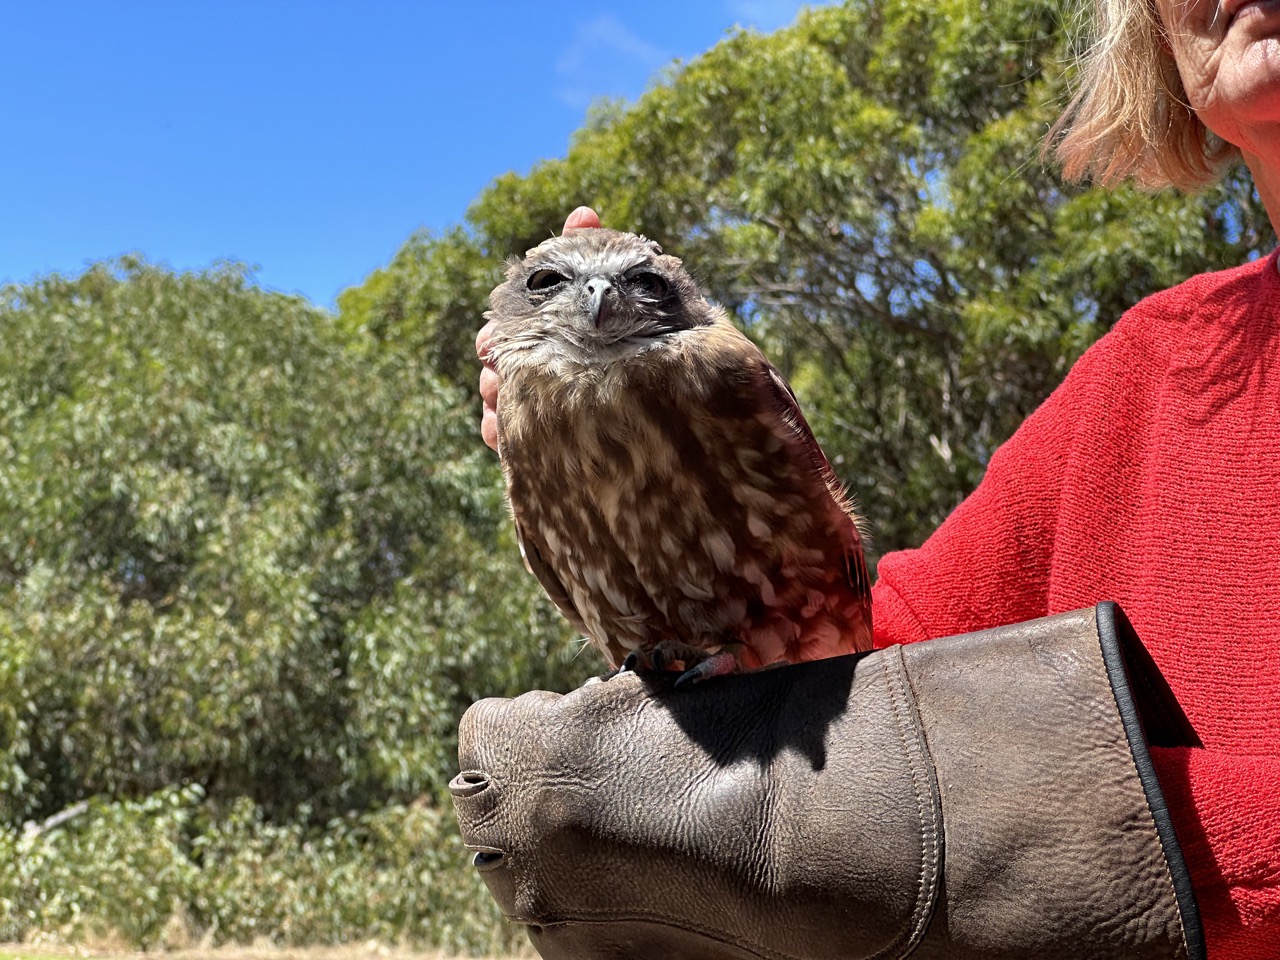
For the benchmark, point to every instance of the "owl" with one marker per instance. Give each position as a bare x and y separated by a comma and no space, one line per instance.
666,489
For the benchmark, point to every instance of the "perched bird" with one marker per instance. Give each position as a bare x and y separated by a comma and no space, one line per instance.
667,491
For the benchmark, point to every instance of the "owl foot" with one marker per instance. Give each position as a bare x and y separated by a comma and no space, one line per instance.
693,664
717,665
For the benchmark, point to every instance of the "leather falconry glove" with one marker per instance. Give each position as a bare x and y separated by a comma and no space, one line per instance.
986,795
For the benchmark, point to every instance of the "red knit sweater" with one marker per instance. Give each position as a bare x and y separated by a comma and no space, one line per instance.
1152,477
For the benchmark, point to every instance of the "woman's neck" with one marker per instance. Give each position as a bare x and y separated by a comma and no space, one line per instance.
1266,179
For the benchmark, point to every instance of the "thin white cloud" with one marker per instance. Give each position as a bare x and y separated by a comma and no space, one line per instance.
605,59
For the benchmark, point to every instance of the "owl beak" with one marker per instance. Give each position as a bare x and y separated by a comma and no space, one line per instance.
598,300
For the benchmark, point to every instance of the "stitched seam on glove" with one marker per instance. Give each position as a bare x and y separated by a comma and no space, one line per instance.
928,812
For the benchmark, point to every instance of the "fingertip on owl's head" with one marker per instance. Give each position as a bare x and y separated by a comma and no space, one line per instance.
583,218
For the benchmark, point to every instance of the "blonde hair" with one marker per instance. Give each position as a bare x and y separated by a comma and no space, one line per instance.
1130,116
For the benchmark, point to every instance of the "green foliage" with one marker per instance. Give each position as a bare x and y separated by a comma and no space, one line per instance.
169,868
121,869
425,301
416,678
213,506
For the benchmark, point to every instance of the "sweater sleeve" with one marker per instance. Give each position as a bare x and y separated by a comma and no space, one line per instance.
1226,812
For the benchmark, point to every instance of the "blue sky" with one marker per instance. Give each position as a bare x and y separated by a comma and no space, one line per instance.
307,139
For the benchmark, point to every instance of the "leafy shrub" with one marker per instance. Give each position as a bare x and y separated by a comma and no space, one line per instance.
221,522
139,870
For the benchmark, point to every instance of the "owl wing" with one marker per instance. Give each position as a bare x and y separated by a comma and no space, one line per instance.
536,564
788,408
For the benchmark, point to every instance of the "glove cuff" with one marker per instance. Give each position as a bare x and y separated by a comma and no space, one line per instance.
1056,826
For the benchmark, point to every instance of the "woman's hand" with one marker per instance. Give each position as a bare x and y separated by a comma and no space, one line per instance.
583,218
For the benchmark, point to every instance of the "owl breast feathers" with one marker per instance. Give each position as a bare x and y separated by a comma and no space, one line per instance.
666,489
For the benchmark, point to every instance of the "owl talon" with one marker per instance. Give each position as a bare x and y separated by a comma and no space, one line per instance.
717,665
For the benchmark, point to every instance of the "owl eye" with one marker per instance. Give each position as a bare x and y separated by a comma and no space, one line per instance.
650,283
544,280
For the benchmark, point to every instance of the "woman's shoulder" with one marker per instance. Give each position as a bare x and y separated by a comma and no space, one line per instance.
1203,308
1209,298
1173,330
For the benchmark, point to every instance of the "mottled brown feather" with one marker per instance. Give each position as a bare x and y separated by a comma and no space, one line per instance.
664,483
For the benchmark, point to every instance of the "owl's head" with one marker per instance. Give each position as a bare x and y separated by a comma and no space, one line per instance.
595,288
